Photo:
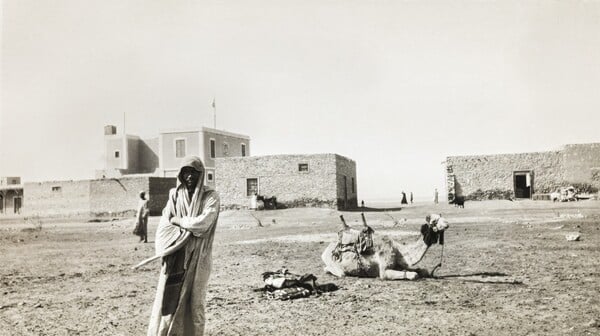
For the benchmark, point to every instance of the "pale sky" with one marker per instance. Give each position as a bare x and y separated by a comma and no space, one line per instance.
394,85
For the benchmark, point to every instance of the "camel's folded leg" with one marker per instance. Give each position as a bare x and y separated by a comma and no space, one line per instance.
390,274
331,265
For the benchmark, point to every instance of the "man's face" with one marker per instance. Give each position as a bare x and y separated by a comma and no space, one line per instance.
190,177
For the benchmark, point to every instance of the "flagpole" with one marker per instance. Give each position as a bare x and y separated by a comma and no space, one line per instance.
214,113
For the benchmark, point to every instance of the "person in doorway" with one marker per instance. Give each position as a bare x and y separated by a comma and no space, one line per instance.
435,197
404,198
184,240
141,218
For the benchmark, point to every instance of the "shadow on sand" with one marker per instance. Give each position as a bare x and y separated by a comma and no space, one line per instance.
367,209
482,277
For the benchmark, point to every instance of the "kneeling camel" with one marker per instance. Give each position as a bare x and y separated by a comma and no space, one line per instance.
356,253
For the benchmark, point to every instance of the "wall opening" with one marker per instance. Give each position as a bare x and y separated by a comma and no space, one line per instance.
251,186
18,202
180,150
523,183
303,167
213,149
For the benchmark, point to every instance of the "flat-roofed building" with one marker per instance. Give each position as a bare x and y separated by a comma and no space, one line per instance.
161,156
317,180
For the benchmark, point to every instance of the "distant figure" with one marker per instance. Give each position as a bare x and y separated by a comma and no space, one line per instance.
362,203
411,197
435,197
404,198
141,218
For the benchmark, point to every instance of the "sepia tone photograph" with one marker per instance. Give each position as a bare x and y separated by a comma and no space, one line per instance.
228,167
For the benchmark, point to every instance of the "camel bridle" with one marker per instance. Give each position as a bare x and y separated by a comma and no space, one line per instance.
431,235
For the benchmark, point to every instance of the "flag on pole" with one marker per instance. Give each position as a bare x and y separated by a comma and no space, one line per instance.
213,103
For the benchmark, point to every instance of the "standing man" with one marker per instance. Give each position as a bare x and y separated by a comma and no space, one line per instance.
184,240
141,218
435,196
411,197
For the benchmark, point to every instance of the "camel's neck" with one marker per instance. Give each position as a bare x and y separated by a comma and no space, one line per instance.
413,253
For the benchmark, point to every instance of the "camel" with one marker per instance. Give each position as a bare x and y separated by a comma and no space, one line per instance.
357,254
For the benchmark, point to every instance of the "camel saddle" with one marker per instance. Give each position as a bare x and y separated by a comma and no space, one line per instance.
351,240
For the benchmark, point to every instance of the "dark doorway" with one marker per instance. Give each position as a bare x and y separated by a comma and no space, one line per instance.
17,204
523,181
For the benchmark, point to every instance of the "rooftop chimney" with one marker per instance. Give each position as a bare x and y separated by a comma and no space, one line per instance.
110,130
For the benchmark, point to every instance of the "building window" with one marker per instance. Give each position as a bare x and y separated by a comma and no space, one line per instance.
210,177
353,186
243,149
212,148
179,148
225,149
251,186
303,167
117,154
56,189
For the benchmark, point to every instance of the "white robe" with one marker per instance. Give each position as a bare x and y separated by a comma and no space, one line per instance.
199,218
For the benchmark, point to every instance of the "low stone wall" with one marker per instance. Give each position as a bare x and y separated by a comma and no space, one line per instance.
54,198
95,198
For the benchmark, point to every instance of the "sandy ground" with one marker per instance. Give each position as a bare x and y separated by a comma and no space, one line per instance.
507,270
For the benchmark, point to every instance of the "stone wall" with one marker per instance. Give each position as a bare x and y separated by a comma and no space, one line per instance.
346,168
494,174
579,159
116,196
55,198
575,164
95,198
280,176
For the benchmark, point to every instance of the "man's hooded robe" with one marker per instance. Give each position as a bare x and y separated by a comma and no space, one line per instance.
186,253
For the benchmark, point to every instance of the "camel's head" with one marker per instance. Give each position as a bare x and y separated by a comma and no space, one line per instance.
437,222
433,230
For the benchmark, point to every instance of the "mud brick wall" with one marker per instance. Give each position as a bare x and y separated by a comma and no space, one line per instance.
579,159
279,176
116,196
494,173
101,197
55,198
120,196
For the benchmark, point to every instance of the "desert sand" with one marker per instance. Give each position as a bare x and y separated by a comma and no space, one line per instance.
508,269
